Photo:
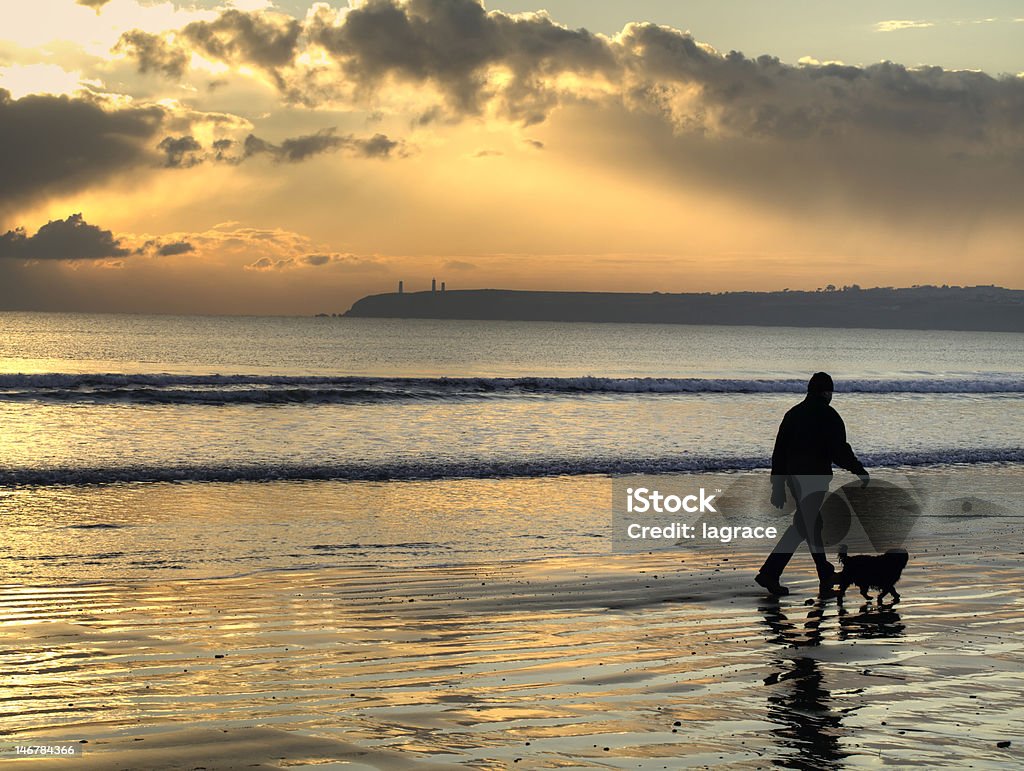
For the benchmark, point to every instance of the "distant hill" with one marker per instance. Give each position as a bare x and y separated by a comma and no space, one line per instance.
982,308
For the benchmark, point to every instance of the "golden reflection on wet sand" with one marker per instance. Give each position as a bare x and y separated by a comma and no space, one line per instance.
611,662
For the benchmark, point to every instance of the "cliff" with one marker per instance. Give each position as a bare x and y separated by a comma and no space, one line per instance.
985,308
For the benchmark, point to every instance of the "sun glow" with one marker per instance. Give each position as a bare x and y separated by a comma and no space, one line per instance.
24,79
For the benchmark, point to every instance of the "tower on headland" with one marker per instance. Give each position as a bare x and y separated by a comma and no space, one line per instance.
401,287
442,286
433,285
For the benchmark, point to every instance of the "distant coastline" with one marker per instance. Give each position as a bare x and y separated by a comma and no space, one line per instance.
978,308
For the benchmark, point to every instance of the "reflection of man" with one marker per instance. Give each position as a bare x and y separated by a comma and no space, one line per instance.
811,438
808,721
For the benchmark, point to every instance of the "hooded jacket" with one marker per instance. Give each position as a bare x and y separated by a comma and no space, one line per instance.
811,438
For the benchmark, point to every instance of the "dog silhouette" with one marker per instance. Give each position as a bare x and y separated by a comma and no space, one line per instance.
878,571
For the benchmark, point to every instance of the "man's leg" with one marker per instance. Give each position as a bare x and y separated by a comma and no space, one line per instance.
771,570
783,551
826,570
813,490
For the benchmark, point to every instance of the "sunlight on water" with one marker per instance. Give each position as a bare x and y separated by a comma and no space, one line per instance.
52,342
541,661
211,525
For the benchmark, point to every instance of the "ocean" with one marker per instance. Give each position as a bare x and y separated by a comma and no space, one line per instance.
367,542
187,446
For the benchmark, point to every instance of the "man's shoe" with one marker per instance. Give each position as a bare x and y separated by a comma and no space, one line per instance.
771,584
827,591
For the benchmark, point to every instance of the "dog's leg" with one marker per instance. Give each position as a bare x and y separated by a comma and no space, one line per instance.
842,585
895,594
864,592
880,596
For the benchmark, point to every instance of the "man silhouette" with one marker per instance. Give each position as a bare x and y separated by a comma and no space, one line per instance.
811,438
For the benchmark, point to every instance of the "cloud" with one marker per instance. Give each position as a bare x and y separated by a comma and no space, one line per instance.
457,46
96,4
177,247
262,248
211,278
52,145
377,146
297,149
262,39
702,92
74,239
181,152
471,56
523,66
159,248
896,25
884,138
265,263
346,261
186,151
153,53
70,239
458,265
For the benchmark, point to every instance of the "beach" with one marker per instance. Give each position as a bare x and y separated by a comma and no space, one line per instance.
617,661
398,384
358,543
487,665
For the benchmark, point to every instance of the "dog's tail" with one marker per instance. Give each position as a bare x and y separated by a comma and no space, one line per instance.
843,551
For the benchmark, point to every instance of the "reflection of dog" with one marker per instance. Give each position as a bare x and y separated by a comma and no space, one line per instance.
880,571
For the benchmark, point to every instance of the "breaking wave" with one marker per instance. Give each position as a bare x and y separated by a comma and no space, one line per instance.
479,469
157,389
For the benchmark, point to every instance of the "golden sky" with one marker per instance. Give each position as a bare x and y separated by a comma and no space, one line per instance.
248,157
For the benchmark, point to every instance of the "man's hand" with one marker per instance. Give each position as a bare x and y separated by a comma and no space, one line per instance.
778,496
864,479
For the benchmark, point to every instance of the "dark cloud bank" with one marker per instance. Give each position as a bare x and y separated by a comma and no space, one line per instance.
880,136
455,44
59,145
75,239
52,145
70,239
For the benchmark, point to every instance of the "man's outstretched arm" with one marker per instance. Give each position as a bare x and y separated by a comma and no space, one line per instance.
841,452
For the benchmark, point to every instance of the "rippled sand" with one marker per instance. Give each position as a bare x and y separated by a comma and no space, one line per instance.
659,661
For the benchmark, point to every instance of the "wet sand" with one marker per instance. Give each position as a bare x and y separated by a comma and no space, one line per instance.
653,661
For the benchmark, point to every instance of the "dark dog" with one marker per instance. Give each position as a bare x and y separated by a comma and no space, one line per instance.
880,571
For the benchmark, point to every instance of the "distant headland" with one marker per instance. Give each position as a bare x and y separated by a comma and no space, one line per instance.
977,308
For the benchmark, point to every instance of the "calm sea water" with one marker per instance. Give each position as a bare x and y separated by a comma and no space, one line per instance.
213,444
